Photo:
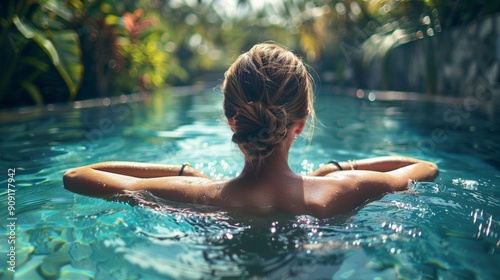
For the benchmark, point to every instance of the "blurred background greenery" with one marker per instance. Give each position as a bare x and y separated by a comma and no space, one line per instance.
62,50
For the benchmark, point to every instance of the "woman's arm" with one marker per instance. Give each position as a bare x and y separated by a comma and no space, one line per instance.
108,178
145,170
381,164
352,188
93,182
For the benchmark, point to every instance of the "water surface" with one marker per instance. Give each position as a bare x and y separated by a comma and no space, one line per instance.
448,229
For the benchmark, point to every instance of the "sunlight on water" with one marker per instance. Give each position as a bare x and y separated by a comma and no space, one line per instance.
447,229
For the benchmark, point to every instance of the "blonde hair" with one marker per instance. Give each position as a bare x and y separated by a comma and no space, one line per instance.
266,90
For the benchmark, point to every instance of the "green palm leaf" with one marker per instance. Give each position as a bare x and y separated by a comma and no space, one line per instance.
62,49
34,92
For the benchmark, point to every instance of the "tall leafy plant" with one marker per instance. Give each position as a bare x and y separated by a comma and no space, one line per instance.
39,54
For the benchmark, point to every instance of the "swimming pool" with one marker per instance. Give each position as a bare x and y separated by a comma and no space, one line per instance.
449,229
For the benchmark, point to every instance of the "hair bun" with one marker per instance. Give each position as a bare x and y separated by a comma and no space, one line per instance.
259,128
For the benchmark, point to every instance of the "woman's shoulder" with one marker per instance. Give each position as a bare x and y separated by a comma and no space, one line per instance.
328,180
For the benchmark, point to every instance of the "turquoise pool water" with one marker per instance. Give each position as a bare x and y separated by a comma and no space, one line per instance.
449,229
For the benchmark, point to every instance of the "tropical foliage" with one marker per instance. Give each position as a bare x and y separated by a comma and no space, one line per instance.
53,51
32,44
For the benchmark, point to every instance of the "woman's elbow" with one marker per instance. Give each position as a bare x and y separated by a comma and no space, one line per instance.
433,170
72,178
80,180
428,171
87,181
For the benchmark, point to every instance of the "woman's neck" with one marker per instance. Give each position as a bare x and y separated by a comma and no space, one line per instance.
275,165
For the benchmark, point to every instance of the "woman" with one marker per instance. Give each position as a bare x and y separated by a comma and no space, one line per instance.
267,99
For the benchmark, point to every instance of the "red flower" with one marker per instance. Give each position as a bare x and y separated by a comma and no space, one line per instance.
134,24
